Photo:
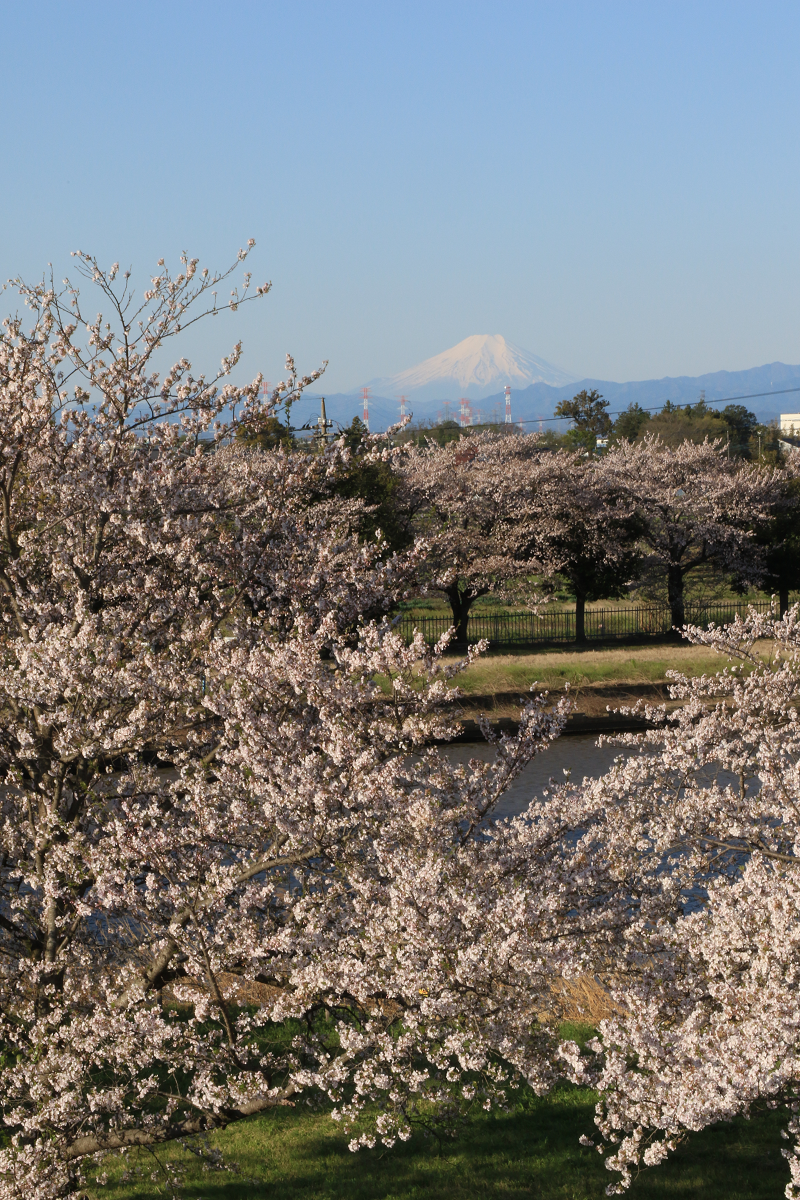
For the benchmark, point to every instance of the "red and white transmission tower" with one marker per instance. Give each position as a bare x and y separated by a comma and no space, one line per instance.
465,415
266,389
365,393
508,405
402,406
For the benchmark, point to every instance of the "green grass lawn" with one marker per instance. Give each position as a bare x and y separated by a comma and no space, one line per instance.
503,671
509,670
531,1153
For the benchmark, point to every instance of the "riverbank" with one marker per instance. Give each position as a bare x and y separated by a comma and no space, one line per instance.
595,710
600,681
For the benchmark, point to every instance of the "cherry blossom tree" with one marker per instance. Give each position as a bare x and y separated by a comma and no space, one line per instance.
578,519
465,496
216,773
695,506
219,775
701,829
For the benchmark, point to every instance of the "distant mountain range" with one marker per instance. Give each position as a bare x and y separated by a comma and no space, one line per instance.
479,368
475,368
760,390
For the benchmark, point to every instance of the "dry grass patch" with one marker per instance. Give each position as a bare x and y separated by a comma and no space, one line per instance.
586,1000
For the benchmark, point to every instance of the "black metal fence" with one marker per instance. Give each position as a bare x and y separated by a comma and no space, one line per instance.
558,625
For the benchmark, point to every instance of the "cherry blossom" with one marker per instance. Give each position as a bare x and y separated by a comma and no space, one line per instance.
694,505
701,832
467,499
220,774
216,770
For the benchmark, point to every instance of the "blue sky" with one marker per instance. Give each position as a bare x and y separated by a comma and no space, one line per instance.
613,186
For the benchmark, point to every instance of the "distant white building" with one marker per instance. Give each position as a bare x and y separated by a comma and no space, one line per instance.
790,423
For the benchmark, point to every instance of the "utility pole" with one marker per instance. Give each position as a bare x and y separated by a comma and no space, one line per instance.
324,426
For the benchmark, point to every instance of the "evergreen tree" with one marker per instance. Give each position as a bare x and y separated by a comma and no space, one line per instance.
588,411
630,423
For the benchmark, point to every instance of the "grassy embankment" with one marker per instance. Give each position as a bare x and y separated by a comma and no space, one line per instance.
600,671
504,670
598,678
529,1153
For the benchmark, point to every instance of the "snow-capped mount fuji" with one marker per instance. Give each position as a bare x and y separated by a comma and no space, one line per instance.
478,367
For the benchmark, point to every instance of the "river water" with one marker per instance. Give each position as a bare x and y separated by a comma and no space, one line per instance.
578,753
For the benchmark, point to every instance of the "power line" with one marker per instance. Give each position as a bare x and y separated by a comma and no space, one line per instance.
658,407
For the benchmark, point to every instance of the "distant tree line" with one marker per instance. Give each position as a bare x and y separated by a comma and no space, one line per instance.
684,493
739,429
503,515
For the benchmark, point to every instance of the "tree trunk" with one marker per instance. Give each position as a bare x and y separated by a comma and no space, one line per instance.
460,603
580,619
675,594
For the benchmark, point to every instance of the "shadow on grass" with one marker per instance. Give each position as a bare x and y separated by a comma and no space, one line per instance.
530,1153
